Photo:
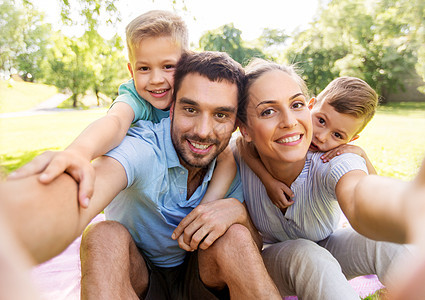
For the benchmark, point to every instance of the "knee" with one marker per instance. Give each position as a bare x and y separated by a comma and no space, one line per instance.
300,256
104,233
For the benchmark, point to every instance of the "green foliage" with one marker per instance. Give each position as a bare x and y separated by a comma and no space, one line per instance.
360,38
24,39
228,39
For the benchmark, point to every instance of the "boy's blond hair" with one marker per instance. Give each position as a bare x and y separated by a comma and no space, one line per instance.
155,23
351,96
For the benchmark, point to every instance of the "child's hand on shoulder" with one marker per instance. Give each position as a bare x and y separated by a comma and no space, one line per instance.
345,148
280,194
51,164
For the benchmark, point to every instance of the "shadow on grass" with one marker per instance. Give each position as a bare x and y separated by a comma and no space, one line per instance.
11,162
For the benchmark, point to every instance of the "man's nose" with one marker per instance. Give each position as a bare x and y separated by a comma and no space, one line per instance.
204,127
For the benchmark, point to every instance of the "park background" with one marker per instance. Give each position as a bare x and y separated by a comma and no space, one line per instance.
74,50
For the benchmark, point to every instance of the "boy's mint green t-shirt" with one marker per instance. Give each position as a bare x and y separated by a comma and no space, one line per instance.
143,110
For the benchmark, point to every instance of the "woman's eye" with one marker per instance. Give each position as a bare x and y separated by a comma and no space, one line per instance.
298,105
267,112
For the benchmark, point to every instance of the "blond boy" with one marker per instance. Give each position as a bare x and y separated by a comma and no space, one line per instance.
155,42
340,112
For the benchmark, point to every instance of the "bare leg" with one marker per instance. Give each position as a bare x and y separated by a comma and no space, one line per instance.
111,265
234,260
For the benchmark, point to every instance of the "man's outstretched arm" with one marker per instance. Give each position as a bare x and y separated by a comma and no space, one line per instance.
47,218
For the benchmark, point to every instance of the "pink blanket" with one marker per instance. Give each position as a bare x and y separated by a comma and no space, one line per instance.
59,278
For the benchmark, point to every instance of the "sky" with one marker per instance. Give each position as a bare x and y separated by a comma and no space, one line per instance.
247,15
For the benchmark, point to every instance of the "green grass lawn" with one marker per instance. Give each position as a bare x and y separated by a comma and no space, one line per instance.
18,96
23,138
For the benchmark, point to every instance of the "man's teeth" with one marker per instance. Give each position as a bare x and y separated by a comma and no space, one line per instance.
199,146
290,139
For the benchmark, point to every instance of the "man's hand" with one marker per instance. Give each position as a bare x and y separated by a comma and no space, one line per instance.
52,164
345,148
207,222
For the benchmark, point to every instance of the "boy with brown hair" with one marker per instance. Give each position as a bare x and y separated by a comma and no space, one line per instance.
340,112
155,42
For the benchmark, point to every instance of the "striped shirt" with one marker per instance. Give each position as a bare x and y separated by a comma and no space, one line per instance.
315,213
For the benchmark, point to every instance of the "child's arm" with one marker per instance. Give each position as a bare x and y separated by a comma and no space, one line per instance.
277,191
222,178
98,138
346,148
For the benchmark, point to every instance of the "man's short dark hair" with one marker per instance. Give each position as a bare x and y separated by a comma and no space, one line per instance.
216,66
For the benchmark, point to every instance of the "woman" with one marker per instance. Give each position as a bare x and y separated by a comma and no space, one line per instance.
304,253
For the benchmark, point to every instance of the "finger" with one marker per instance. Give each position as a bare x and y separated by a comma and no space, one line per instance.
199,236
183,224
36,166
183,245
55,168
288,192
210,239
86,186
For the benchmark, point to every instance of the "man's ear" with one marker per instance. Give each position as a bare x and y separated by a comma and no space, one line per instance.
130,69
244,132
354,138
311,103
172,111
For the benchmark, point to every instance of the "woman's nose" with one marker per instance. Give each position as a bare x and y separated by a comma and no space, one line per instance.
288,120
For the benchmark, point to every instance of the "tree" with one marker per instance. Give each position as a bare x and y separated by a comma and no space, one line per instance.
228,39
23,40
68,65
360,38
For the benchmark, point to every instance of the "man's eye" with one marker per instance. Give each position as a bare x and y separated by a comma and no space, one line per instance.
190,110
221,115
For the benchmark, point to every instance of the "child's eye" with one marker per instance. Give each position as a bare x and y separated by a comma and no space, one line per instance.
144,68
267,112
169,67
338,135
321,121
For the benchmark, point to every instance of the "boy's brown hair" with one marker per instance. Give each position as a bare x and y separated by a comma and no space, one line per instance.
155,23
351,96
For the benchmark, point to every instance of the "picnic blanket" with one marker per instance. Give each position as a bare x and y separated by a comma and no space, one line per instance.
59,278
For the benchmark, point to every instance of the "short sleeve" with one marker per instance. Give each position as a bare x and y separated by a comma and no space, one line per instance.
342,164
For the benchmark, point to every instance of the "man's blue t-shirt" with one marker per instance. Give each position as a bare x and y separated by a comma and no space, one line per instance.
154,202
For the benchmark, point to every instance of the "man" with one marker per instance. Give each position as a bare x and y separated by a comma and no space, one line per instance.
159,177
